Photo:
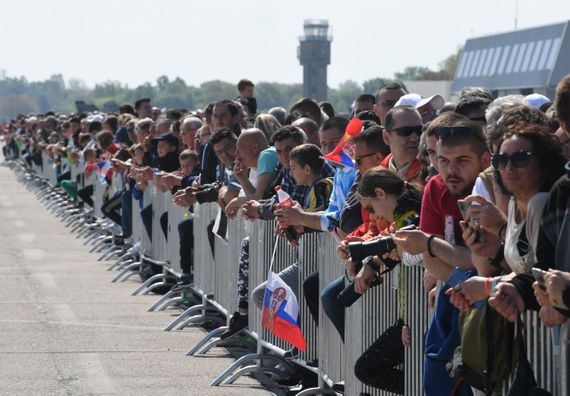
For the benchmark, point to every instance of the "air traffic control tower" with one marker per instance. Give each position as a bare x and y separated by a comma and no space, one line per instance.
314,53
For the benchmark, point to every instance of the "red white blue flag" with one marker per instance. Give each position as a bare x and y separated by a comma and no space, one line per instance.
343,152
281,311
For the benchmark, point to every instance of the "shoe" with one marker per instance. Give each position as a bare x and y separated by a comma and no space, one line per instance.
338,387
238,322
184,283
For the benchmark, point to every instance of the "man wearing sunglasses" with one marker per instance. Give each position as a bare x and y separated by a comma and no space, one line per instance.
462,155
402,133
386,99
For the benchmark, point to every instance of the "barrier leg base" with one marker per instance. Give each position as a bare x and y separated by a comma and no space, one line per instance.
183,315
250,369
161,300
131,268
317,391
147,283
203,341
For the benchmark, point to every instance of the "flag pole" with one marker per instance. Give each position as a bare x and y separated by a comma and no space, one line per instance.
273,254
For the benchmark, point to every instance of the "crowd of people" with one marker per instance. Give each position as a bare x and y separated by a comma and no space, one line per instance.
475,191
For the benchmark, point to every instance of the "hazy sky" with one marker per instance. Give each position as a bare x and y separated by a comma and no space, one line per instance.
134,41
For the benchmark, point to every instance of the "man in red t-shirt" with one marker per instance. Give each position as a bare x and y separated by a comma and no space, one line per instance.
462,155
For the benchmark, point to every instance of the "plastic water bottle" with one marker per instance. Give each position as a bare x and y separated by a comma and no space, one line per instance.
284,202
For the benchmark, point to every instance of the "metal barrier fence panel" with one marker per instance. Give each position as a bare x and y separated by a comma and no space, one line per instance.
261,244
146,244
137,225
204,264
176,214
227,264
308,263
99,189
46,166
539,346
330,348
366,320
159,208
417,319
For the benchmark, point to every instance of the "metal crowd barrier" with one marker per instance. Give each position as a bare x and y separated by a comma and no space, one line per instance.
215,280
330,347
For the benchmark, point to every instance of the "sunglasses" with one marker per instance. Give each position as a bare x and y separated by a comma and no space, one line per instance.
407,131
358,159
519,159
458,132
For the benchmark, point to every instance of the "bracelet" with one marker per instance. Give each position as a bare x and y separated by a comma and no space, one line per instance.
503,227
487,287
431,237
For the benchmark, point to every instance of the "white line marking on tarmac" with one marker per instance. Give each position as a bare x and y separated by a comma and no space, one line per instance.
62,312
33,254
25,237
97,379
45,279
90,324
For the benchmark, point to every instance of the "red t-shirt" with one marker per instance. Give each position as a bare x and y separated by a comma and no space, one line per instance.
440,214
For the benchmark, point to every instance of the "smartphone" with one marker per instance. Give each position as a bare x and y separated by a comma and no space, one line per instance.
457,277
463,207
538,275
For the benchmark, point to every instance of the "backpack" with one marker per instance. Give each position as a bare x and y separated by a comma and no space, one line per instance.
485,357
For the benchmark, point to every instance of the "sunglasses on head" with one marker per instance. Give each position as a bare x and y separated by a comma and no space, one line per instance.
407,131
359,158
520,159
458,132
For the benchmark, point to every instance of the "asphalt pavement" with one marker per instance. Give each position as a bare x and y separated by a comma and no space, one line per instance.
66,330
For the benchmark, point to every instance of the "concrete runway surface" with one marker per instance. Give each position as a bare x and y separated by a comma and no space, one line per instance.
66,330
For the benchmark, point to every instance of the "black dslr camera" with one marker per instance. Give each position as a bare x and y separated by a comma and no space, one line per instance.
360,252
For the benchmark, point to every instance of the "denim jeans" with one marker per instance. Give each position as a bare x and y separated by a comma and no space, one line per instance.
332,307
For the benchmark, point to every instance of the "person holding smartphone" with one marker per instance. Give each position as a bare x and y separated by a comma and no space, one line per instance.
528,162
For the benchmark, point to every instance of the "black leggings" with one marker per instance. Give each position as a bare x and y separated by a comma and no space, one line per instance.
376,366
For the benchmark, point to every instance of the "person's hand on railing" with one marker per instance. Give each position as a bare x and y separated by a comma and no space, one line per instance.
468,293
290,214
556,282
541,295
250,210
413,241
233,207
507,301
551,317
170,180
185,197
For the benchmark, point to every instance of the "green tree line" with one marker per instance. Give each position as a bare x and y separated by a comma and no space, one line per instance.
20,96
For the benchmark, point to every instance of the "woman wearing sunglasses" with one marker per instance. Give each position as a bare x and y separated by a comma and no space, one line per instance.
528,162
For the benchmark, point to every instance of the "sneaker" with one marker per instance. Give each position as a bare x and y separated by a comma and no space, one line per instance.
184,283
238,322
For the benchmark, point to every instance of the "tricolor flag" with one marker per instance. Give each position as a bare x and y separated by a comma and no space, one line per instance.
281,311
343,152
103,167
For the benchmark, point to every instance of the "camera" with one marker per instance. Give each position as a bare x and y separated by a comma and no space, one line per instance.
364,251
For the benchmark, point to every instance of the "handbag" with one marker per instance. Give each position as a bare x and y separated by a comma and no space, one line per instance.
524,382
484,358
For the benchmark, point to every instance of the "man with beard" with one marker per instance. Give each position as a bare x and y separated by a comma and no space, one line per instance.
462,155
